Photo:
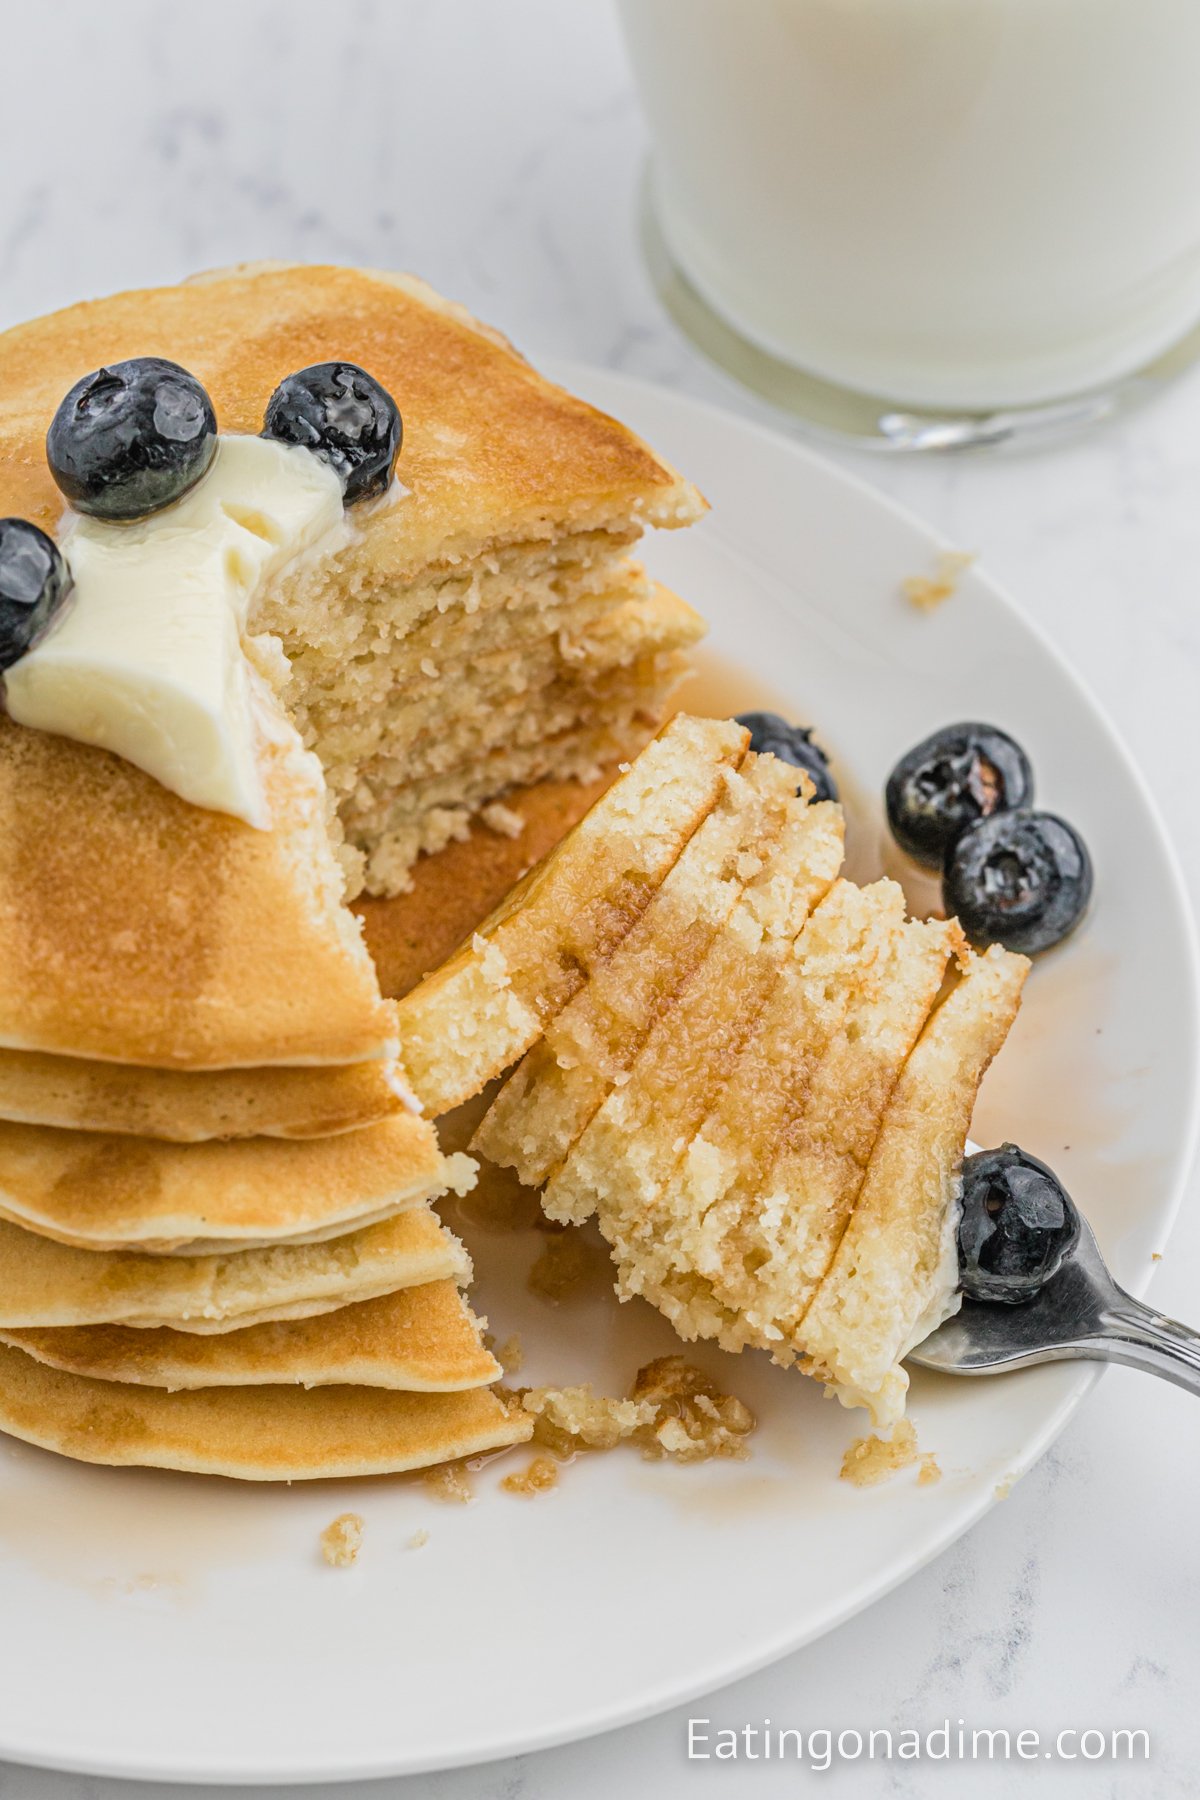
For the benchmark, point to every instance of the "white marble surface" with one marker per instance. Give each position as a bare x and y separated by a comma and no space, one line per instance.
495,149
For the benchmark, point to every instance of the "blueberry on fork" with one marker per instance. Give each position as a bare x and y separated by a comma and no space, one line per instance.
1018,1223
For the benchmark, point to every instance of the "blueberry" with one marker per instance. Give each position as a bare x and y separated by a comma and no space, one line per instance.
130,439
962,774
1021,879
342,414
1018,1223
34,582
791,744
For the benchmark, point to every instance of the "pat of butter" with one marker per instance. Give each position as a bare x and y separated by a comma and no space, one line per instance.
146,657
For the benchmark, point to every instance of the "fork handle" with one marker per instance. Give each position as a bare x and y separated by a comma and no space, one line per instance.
1141,1338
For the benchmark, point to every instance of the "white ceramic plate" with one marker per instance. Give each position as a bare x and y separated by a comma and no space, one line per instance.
169,1627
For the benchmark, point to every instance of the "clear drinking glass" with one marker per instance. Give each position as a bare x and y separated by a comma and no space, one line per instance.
959,205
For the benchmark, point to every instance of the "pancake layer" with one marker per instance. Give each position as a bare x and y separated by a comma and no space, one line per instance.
250,1433
421,1339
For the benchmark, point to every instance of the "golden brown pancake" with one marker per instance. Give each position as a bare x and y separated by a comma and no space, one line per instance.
485,436
135,928
423,1339
894,1276
250,1433
47,1284
106,1192
189,1107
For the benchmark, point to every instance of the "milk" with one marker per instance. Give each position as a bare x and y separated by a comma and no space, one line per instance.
964,203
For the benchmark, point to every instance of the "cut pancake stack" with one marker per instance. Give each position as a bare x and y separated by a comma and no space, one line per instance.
216,1248
763,1094
252,1282
481,628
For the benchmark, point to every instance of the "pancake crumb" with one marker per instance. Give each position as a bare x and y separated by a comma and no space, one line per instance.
927,592
538,1478
930,1470
673,1410
418,1540
511,1354
341,1541
502,820
449,1482
873,1459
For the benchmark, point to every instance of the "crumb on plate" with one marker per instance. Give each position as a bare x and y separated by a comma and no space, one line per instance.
672,1410
873,1459
449,1481
540,1476
341,1540
926,592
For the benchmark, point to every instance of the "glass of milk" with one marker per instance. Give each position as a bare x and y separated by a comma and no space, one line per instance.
952,204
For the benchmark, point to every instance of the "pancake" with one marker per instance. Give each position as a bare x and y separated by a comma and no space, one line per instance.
509,540
250,1433
482,1009
135,928
548,1100
895,1274
103,1192
422,1339
487,440
769,1246
47,1284
634,1140
184,1107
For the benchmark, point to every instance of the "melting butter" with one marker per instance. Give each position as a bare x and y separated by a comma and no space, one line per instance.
146,658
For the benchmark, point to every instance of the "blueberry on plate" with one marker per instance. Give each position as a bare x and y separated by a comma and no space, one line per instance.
791,744
342,414
34,582
1021,879
959,775
1018,1223
130,439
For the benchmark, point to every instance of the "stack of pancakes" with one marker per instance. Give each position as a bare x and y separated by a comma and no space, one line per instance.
216,1251
216,1247
478,632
